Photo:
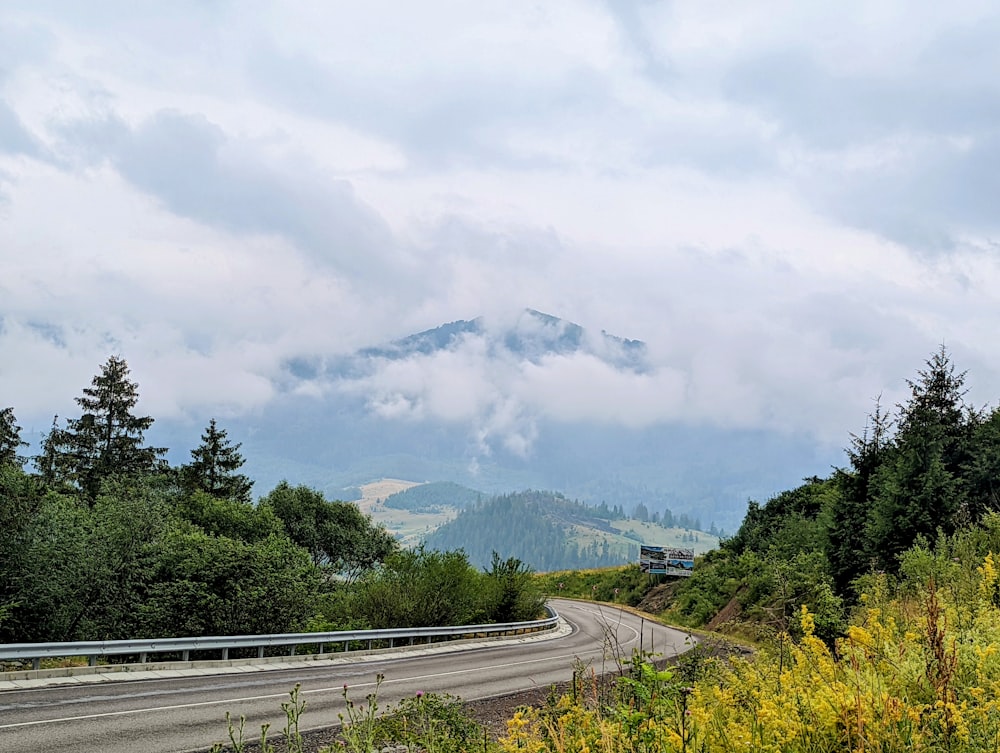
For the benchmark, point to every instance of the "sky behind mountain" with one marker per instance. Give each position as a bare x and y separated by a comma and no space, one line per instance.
791,205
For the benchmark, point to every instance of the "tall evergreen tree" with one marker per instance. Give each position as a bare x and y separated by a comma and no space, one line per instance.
982,472
107,439
919,488
47,462
847,545
10,439
213,467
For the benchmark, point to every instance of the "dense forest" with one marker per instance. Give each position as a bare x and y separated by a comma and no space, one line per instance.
103,539
433,497
534,527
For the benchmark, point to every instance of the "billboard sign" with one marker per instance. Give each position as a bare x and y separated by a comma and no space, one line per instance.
664,560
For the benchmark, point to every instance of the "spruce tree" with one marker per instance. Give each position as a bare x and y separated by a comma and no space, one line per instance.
107,439
213,467
47,462
10,439
982,472
847,545
919,487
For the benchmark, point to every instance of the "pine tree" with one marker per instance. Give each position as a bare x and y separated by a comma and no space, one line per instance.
47,463
107,439
213,467
10,439
847,545
982,472
919,487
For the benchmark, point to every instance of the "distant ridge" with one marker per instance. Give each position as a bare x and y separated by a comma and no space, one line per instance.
337,421
534,336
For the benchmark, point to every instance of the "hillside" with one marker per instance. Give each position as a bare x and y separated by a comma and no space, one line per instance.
408,527
549,532
433,497
429,513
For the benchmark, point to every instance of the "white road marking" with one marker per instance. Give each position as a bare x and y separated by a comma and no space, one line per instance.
338,688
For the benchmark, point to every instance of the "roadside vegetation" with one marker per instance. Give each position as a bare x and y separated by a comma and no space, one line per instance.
917,668
105,540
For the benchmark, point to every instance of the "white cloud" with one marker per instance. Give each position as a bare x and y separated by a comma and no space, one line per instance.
790,205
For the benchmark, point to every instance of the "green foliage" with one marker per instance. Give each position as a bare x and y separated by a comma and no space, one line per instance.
811,545
105,541
213,468
231,518
83,568
919,486
214,585
10,439
358,727
625,584
432,722
432,497
847,545
916,671
107,440
427,587
789,523
108,542
428,722
715,582
293,741
336,534
423,587
531,526
981,471
763,591
21,498
510,591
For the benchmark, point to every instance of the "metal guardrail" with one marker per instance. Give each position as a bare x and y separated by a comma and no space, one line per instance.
143,648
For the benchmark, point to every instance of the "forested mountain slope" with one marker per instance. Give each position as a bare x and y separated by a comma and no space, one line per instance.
550,532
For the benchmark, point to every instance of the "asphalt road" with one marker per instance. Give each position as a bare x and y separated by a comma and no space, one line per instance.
188,713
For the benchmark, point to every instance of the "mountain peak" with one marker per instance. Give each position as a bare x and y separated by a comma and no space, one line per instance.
534,336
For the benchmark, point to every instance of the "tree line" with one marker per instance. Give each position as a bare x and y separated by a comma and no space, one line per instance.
103,539
923,471
533,526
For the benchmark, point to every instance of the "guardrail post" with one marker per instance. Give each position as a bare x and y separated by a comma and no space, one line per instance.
96,650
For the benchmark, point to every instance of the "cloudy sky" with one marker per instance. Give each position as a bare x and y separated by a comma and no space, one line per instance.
794,205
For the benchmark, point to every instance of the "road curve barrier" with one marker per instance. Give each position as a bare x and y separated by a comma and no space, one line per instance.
287,643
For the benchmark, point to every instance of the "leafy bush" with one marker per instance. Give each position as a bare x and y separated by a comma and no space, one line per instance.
624,585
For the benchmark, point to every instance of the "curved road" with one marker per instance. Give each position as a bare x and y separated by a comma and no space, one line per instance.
188,713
